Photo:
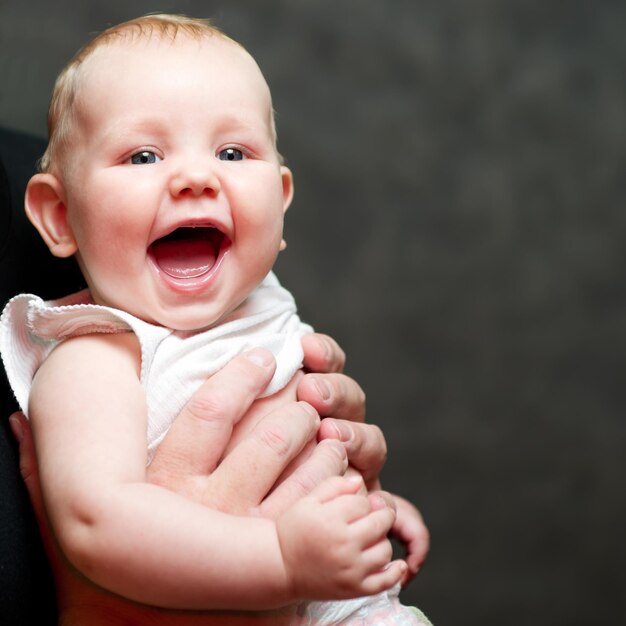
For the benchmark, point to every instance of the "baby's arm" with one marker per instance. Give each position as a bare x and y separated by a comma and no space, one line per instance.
146,543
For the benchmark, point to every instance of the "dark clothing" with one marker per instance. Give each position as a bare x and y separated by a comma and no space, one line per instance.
26,587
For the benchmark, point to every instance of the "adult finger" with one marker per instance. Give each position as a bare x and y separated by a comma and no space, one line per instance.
28,459
198,436
365,445
30,475
333,395
327,459
248,472
322,354
412,532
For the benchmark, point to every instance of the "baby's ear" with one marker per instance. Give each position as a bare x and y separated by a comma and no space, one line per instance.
46,210
287,179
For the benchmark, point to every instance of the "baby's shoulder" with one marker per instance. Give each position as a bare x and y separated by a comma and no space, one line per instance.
93,356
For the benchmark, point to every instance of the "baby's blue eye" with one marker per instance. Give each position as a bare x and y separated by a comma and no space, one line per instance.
145,157
230,154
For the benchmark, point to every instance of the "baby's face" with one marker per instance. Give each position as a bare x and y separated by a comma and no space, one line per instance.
173,186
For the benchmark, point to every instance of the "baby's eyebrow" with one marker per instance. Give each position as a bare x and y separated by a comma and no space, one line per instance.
244,117
121,127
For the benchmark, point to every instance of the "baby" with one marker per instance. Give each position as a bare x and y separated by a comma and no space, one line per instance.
163,178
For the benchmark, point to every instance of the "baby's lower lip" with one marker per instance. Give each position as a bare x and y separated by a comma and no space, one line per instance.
190,284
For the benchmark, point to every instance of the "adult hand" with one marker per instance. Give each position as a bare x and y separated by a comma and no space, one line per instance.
189,460
409,529
341,401
336,395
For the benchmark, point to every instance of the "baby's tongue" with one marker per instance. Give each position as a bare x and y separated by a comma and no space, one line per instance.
187,256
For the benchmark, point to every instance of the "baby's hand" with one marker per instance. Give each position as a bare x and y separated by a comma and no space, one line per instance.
334,542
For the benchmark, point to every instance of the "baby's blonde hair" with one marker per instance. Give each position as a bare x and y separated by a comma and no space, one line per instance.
62,103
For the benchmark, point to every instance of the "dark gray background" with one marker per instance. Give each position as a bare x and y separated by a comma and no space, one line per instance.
459,227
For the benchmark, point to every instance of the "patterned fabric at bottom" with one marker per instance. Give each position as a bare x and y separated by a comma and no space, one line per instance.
383,609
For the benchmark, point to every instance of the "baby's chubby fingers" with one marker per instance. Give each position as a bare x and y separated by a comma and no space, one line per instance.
377,557
371,517
374,526
337,486
385,578
382,499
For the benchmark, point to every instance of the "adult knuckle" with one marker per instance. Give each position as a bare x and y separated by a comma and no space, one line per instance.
304,482
334,356
350,394
339,361
378,444
206,408
275,437
352,389
334,453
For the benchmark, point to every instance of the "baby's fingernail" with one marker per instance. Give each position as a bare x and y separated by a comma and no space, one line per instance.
402,564
354,479
259,356
377,501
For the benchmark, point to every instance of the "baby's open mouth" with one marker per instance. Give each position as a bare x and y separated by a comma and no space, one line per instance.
188,252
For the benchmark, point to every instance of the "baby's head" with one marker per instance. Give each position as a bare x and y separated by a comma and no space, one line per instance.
162,173
61,112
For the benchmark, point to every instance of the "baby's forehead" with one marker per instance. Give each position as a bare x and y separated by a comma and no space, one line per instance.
133,45
126,75
108,60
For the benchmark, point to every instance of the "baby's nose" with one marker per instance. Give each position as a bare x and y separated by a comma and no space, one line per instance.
195,180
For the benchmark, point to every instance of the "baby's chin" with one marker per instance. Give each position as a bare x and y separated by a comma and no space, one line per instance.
180,311
185,319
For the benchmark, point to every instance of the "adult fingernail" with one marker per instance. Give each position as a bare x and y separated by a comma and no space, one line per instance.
308,408
345,432
259,356
323,388
337,449
325,347
16,427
